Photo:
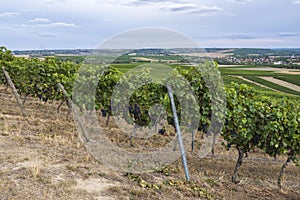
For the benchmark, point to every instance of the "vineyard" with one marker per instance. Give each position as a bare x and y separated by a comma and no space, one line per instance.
251,121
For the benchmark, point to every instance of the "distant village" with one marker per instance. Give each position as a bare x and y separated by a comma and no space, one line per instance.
260,60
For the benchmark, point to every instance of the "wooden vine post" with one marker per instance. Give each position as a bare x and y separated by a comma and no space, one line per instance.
16,94
67,99
70,104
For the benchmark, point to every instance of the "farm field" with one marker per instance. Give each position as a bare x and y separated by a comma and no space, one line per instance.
261,79
42,156
251,75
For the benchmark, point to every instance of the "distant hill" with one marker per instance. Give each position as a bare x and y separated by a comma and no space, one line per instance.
237,52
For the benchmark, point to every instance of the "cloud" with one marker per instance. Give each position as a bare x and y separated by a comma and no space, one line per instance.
296,2
243,36
240,1
182,6
56,1
26,10
288,34
47,35
205,10
178,7
45,22
157,1
9,14
107,19
59,25
48,25
146,2
140,2
190,8
39,20
243,43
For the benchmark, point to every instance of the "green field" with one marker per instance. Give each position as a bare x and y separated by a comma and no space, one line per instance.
126,67
242,72
228,79
124,64
272,85
295,79
228,72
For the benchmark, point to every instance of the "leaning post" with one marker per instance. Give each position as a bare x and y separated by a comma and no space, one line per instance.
179,138
16,94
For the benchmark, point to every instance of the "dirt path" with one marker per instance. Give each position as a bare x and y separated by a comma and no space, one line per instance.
250,81
280,82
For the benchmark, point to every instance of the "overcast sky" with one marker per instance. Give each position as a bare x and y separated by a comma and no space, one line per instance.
56,24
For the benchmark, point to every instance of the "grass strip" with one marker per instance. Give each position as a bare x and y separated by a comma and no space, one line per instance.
272,85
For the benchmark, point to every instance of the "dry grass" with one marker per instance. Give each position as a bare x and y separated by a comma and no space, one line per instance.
41,157
35,169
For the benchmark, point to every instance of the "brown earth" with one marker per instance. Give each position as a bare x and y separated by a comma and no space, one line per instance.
41,157
281,82
289,72
250,81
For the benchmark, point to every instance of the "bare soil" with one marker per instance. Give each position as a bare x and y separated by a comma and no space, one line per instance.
281,82
289,72
250,81
41,157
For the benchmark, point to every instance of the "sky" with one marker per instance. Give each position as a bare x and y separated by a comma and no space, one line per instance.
71,24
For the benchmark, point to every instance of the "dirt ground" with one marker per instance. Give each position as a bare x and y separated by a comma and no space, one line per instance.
41,157
250,81
280,82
